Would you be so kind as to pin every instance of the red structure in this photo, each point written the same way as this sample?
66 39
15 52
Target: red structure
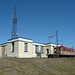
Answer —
64 51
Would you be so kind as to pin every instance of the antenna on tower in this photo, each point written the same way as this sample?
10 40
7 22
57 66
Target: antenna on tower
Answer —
14 26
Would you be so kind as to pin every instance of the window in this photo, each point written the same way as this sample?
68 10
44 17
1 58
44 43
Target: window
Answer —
26 47
47 51
36 48
42 50
72 50
12 46
64 49
69 50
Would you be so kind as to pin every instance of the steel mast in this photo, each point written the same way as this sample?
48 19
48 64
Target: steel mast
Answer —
14 26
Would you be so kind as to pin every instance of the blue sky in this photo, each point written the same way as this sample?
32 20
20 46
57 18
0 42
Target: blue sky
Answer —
38 19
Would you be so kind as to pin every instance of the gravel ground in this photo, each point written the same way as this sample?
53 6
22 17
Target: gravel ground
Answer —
35 66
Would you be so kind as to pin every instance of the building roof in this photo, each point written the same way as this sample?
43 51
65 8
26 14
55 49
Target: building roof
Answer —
19 37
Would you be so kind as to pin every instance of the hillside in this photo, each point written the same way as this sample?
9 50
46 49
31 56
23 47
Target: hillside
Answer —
51 66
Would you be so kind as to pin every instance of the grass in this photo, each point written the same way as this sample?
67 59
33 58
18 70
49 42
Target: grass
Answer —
51 66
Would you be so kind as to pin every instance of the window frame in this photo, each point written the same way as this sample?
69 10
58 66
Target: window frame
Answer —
42 49
25 47
36 48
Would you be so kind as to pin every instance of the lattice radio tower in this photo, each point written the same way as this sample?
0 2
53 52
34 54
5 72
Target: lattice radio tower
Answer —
14 26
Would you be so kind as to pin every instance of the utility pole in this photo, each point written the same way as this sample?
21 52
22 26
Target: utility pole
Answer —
57 43
50 44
